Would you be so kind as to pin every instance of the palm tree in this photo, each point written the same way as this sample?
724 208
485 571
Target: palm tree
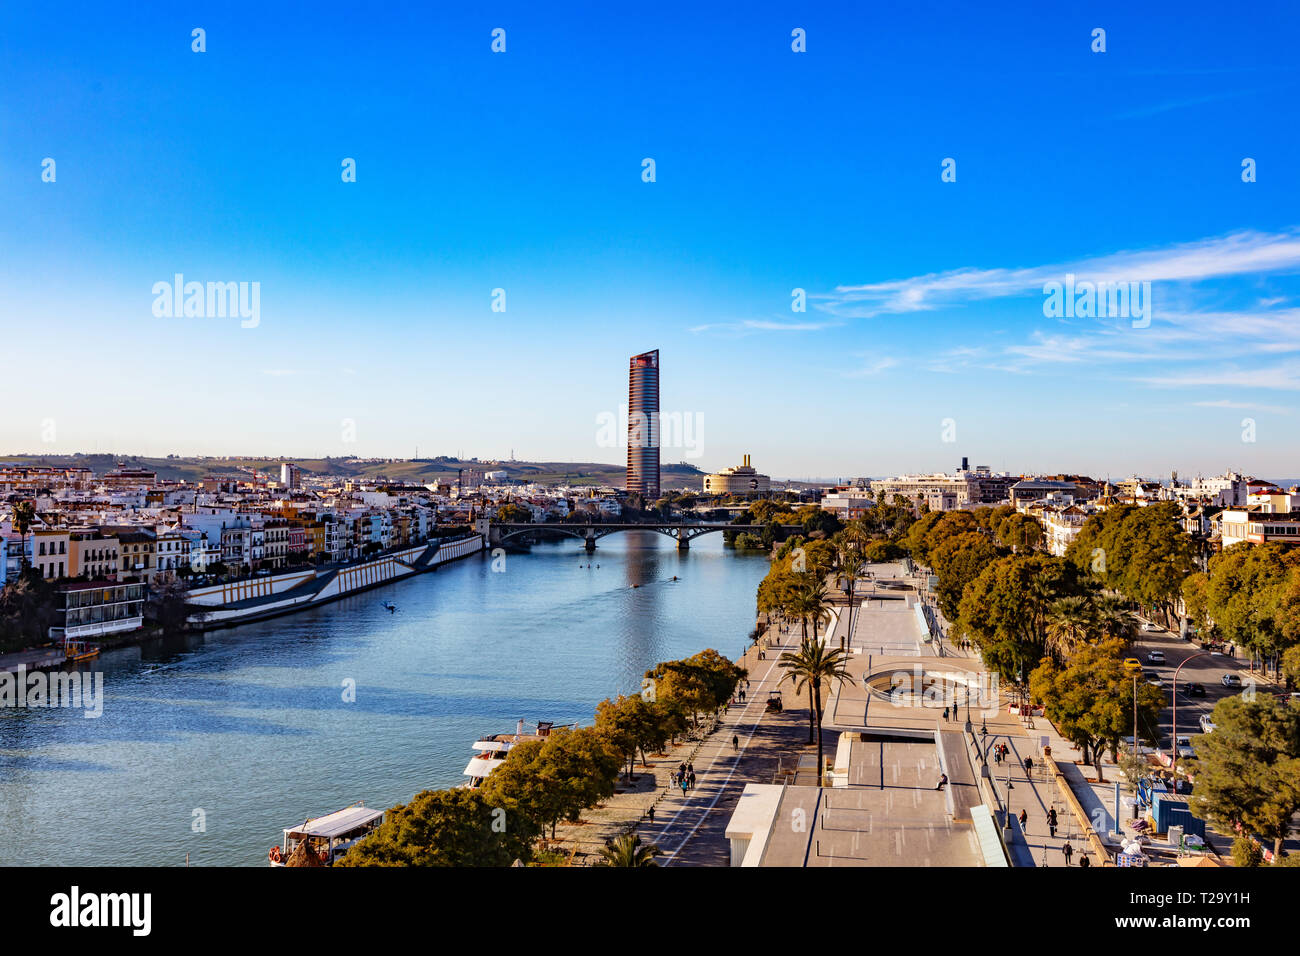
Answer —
810 667
24 515
814 601
1069 621
1115 619
851 563
628 850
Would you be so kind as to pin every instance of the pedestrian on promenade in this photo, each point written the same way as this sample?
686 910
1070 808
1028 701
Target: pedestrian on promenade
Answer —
690 768
1029 765
681 768
651 815
1067 851
672 778
735 742
1051 822
1024 819
683 786
943 780
1084 862
945 713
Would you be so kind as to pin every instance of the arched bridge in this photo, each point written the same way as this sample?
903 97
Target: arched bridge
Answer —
500 532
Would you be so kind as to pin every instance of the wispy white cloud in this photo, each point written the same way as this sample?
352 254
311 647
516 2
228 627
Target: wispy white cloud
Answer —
1249 406
1284 377
765 325
1241 253
872 365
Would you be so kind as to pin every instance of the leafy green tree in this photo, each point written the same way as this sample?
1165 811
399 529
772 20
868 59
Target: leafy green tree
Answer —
951 524
1005 610
628 850
1141 552
958 561
557 778
168 606
1249 768
1291 665
28 610
632 724
458 827
1090 699
883 552
1020 532
916 542
1246 852
810 668
699 684
1195 592
1247 593
814 519
510 512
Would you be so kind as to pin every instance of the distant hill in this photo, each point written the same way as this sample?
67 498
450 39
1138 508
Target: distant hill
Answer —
418 470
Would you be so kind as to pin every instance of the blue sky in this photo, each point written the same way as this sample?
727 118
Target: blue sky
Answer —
775 170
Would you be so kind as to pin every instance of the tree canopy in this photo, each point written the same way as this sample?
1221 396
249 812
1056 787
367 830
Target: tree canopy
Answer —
458 827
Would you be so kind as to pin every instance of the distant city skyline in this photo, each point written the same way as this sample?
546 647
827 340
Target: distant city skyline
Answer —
481 283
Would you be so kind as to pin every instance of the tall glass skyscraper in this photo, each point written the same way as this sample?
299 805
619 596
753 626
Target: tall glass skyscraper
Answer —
643 425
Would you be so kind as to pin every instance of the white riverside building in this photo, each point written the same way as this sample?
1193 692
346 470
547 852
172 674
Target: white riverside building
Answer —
740 479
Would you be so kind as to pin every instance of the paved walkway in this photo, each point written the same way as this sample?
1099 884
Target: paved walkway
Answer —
690 828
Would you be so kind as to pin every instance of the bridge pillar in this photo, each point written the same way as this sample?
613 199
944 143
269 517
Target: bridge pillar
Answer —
590 541
683 543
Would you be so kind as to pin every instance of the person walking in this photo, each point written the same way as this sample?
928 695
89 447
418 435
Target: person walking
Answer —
682 784
1067 851
672 778
735 742
1024 819
1051 822
1084 862
1029 765
692 779
650 814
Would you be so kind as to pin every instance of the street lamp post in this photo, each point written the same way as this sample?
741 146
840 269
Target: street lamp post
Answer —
1174 728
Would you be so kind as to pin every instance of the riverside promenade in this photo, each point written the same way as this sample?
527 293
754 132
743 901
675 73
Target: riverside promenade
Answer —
690 828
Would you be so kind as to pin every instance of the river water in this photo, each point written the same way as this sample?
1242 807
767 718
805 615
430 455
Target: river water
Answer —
209 745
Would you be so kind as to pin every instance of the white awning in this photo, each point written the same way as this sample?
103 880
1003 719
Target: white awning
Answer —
337 823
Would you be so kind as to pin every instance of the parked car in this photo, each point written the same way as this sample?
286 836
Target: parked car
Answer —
1194 690
1132 663
1231 680
1156 657
1185 748
1148 626
1152 678
1207 725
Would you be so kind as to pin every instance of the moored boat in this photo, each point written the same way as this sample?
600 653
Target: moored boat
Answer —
320 841
491 750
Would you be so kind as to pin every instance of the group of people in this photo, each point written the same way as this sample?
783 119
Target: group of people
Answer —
684 777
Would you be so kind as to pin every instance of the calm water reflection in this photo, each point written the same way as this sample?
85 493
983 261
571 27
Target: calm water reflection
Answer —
249 725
